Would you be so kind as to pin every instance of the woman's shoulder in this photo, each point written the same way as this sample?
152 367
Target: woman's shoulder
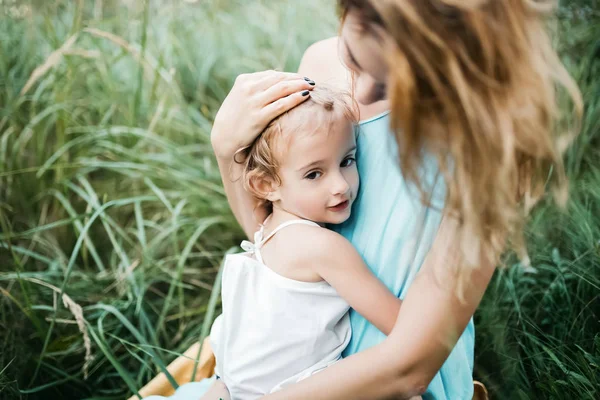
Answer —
321 63
322 47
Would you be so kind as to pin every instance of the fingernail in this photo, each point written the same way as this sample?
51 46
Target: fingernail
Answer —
310 81
305 93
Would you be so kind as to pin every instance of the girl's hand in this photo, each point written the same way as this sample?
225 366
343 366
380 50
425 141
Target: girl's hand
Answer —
254 101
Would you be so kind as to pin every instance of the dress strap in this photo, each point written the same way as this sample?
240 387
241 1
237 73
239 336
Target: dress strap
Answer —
259 240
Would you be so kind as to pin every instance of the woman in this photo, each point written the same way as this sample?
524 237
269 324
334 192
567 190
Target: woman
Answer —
470 88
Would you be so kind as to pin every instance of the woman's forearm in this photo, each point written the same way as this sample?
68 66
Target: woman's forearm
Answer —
369 374
430 322
241 202
393 369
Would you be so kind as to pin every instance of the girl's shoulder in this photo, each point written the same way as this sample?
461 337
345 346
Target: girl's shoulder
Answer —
296 251
306 245
304 237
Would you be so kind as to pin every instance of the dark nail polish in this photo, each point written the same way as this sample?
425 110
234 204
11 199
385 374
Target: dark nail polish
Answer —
307 79
310 81
305 93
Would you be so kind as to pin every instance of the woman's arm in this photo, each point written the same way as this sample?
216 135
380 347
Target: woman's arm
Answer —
345 270
254 101
430 322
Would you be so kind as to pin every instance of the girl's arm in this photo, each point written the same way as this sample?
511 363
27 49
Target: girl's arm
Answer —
252 103
345 270
430 322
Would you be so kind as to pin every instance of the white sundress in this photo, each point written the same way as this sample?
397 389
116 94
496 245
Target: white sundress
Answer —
274 331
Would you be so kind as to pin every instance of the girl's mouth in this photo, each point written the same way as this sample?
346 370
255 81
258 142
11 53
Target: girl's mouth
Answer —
340 207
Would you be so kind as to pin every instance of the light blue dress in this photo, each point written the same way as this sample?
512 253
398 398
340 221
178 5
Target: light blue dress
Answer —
393 232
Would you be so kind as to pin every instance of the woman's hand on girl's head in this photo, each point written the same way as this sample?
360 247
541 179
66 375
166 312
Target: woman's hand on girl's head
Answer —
254 101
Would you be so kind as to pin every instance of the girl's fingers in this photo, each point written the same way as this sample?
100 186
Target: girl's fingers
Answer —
283 89
278 107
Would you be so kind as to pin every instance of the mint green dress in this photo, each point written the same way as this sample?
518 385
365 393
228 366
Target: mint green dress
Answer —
393 232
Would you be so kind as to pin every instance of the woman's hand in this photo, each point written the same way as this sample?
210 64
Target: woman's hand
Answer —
254 101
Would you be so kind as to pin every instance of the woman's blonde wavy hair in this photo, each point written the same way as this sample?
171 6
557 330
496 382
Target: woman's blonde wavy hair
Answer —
262 159
474 83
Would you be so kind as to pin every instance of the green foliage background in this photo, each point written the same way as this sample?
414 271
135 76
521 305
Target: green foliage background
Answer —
113 220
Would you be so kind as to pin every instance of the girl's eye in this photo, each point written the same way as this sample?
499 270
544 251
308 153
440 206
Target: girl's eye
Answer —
348 162
313 175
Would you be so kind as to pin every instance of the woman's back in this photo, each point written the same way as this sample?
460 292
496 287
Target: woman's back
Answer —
393 232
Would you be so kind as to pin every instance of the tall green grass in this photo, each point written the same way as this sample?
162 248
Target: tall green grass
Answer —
110 198
113 221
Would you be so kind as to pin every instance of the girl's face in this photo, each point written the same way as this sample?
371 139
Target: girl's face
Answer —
319 179
362 53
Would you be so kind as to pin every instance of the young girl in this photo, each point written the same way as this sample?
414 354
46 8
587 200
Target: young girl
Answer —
286 299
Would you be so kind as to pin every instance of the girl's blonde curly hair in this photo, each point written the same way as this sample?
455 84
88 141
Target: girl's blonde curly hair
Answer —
474 83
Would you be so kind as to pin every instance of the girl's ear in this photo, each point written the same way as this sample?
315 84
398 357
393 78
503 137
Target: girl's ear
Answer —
264 187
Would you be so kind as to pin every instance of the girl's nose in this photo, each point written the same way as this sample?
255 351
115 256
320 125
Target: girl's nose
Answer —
340 185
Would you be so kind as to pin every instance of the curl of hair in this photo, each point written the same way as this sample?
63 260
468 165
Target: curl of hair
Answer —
259 164
474 83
